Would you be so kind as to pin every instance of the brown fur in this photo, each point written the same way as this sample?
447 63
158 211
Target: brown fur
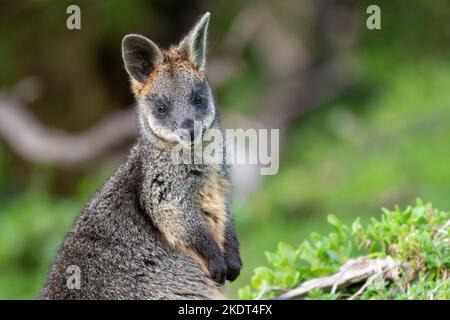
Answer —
174 60
212 199
170 231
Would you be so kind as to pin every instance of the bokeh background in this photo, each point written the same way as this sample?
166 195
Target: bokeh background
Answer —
364 114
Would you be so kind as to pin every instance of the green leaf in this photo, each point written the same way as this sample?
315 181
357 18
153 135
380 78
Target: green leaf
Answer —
334 221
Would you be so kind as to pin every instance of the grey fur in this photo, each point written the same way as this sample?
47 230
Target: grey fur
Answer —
145 234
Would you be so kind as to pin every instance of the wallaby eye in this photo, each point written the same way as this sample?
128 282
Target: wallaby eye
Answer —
199 100
161 108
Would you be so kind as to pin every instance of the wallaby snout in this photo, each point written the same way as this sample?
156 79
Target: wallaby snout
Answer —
189 125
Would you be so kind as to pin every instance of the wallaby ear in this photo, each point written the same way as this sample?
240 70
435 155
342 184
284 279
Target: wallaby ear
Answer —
140 55
195 42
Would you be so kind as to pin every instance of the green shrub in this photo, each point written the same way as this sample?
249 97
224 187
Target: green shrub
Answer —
418 236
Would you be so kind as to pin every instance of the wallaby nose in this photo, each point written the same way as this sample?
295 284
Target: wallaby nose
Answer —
188 125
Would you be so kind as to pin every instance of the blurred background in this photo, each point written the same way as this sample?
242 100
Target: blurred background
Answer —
364 114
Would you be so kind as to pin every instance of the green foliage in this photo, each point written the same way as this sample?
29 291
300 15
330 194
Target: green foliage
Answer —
30 232
32 227
419 236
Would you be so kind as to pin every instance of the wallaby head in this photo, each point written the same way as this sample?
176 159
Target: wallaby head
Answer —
175 103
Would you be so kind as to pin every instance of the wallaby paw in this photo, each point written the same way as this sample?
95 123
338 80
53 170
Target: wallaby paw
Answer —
217 269
234 265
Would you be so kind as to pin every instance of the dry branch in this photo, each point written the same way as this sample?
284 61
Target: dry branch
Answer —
33 141
352 272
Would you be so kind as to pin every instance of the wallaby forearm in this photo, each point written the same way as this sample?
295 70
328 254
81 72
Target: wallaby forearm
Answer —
188 231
